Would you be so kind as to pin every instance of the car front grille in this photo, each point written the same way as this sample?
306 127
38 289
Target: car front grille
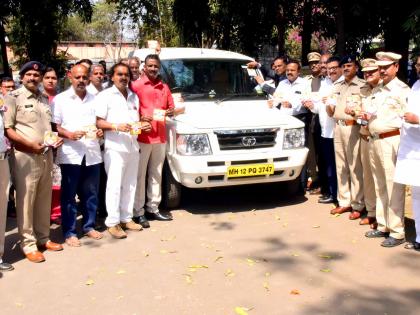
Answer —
246 139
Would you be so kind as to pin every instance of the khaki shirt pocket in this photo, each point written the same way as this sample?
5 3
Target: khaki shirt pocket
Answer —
28 114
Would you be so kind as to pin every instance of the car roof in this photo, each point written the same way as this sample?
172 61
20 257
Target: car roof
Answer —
190 53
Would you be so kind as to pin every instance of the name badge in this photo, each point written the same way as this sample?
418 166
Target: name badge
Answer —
298 92
29 106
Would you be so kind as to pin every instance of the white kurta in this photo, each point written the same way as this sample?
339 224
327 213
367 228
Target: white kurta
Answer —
408 162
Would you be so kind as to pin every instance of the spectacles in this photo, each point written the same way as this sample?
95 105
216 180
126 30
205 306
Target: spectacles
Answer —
333 68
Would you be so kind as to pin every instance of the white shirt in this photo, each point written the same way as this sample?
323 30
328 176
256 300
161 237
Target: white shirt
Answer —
408 161
327 123
293 92
112 106
3 143
92 89
75 114
416 87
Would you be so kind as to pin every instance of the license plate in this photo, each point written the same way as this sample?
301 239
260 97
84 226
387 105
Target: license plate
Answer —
250 170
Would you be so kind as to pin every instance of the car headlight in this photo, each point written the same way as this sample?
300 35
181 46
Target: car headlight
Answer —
294 138
193 144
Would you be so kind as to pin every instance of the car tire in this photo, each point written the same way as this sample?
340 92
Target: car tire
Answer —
293 187
171 189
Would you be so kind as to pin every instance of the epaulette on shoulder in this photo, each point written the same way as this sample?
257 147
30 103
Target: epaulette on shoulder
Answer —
16 92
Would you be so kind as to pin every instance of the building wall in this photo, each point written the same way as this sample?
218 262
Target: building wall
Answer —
96 50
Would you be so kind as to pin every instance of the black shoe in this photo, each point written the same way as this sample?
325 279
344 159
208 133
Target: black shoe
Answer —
324 196
376 233
158 216
142 221
6 267
330 199
392 242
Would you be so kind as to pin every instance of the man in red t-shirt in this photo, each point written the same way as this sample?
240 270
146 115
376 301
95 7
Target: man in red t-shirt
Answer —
155 104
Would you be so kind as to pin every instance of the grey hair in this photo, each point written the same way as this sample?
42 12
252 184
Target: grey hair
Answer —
92 68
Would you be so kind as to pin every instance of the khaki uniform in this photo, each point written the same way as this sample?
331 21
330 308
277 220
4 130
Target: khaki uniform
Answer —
347 147
30 116
388 104
366 155
4 183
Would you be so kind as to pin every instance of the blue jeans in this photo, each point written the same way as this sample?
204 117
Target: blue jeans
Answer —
328 157
84 180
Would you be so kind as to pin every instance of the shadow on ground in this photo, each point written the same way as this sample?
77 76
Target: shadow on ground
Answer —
368 300
239 198
13 253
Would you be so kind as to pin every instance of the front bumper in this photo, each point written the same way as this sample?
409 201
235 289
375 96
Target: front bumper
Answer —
213 169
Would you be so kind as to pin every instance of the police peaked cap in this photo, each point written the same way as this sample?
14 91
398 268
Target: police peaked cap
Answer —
348 59
31 65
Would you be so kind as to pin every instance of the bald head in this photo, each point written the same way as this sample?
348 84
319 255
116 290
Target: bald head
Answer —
79 77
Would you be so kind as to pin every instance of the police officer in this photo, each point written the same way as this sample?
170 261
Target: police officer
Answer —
27 120
347 141
4 186
371 74
388 107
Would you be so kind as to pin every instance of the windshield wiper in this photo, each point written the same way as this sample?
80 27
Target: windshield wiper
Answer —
227 98
194 96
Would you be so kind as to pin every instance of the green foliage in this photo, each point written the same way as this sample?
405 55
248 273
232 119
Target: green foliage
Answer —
35 27
152 17
412 25
104 26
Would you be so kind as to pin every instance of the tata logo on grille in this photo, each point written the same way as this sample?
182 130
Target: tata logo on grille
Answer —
249 141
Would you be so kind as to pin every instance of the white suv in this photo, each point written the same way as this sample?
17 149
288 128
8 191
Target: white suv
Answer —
228 135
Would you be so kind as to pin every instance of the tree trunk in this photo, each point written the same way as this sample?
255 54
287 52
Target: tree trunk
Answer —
307 30
341 36
396 39
6 68
281 31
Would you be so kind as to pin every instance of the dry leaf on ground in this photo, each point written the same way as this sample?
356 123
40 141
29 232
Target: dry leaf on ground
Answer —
188 278
242 310
89 282
193 268
295 292
325 256
265 285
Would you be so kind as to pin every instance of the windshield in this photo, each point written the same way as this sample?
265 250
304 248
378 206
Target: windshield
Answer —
204 78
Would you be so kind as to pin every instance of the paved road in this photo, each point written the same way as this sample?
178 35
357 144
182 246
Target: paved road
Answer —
251 247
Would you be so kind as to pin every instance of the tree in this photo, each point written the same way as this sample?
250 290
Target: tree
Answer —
153 18
36 26
104 26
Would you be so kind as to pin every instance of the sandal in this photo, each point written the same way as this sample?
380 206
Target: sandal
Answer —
73 241
414 245
94 234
